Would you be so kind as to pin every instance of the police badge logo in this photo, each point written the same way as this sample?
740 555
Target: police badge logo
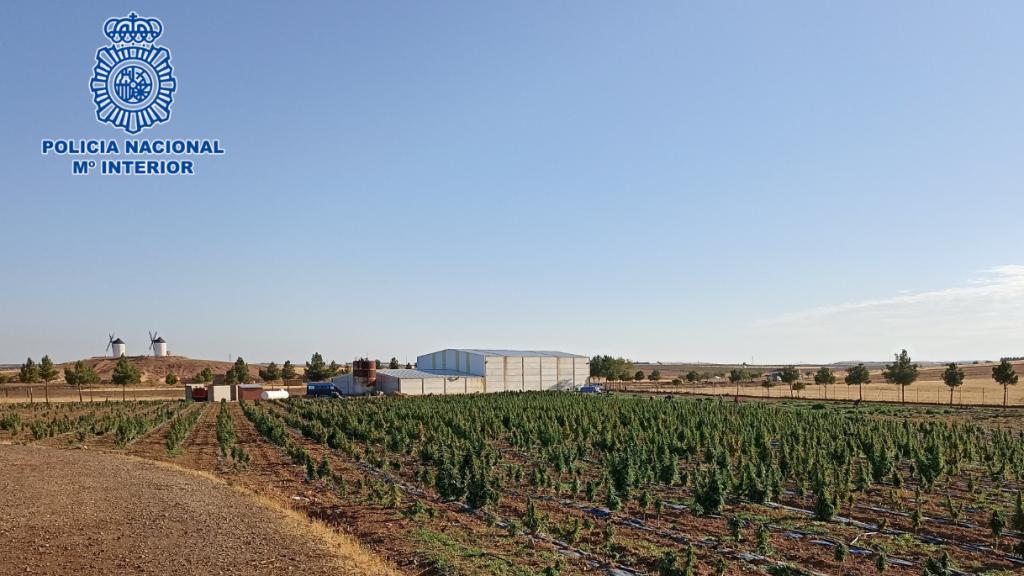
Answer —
132 82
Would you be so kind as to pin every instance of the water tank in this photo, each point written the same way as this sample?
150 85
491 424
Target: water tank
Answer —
364 372
274 395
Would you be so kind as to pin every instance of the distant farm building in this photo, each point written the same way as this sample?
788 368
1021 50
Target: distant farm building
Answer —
468 371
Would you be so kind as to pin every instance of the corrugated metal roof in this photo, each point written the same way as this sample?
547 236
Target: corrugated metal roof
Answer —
491 352
414 373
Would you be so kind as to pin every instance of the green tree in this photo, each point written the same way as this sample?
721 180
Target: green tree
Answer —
940 566
317 370
915 520
81 375
953 377
858 376
789 376
902 372
690 565
668 564
692 376
29 372
638 376
393 364
288 371
824 377
655 375
840 552
171 379
1017 520
533 522
241 370
125 373
709 493
644 502
1003 373
479 489
270 374
824 505
612 500
763 546
610 368
996 524
737 375
735 528
47 373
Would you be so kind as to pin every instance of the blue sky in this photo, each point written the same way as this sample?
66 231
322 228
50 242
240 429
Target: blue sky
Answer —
717 181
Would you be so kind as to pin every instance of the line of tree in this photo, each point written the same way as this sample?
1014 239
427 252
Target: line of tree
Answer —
81 375
1006 376
858 376
612 368
824 377
44 371
125 373
205 376
737 375
953 377
317 369
902 372
238 373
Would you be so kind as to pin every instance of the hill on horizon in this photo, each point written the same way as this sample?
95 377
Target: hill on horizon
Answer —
152 369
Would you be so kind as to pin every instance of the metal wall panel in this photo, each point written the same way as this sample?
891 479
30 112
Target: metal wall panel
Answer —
514 373
430 361
411 386
474 385
531 372
494 372
455 385
433 385
548 373
565 373
581 368
476 364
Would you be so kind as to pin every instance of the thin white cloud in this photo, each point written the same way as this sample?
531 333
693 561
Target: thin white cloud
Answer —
982 317
1001 287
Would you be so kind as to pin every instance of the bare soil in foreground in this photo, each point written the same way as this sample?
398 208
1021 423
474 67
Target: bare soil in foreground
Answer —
86 512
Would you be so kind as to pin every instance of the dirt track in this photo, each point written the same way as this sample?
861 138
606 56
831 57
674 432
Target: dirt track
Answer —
83 512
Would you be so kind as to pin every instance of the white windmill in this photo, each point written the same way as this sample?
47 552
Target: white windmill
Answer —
116 346
158 345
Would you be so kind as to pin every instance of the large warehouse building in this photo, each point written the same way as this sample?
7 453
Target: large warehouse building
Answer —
467 371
